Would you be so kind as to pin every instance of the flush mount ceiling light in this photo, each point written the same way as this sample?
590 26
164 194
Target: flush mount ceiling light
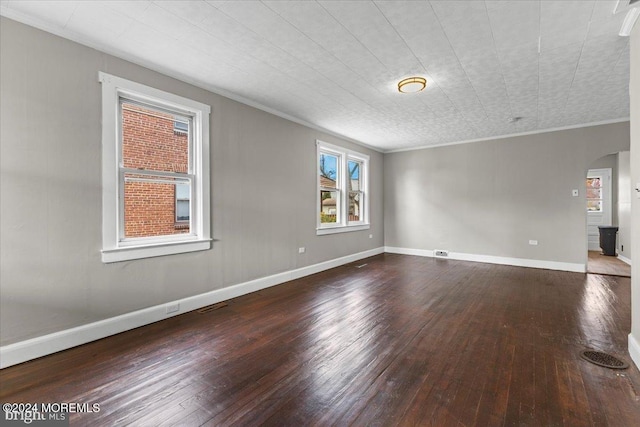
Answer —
412 84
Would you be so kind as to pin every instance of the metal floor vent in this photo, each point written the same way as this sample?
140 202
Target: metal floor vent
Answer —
213 307
603 359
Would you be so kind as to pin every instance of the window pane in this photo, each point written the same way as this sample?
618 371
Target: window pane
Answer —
594 193
181 127
329 209
183 191
150 142
594 182
183 196
182 210
150 206
354 175
328 169
355 203
594 205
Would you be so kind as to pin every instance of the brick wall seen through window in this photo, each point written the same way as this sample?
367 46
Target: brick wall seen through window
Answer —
152 141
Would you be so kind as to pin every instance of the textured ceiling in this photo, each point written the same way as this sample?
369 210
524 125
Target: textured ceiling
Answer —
335 64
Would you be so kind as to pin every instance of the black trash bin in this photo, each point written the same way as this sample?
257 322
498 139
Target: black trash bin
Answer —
608 239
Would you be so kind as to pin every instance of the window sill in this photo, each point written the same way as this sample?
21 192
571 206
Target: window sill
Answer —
149 251
341 229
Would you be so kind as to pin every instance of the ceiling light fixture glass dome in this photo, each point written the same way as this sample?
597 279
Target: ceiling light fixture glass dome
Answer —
412 84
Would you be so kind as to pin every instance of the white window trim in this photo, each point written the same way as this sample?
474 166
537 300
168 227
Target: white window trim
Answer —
114 249
344 155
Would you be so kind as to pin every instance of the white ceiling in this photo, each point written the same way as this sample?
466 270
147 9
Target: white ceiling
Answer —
335 64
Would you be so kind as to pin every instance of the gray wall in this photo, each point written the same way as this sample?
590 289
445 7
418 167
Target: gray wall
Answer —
263 194
624 204
492 197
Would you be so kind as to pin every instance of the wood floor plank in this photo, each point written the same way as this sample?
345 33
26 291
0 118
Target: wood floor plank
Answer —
610 265
401 341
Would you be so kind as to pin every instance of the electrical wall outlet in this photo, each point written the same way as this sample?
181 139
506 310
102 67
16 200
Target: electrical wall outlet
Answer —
575 193
172 308
371 236
301 250
441 252
533 242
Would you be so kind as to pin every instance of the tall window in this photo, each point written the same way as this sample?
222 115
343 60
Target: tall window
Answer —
342 189
155 172
594 194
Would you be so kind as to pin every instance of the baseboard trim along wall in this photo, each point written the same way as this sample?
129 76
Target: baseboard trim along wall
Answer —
624 259
23 351
634 350
489 259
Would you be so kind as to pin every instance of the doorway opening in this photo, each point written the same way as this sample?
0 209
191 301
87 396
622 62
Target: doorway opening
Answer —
608 204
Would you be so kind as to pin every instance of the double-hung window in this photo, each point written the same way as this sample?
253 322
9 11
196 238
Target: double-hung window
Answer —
155 172
342 196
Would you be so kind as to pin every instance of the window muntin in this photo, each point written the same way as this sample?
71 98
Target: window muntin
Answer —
155 172
342 188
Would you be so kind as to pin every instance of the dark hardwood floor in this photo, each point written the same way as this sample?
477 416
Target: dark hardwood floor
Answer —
402 340
603 264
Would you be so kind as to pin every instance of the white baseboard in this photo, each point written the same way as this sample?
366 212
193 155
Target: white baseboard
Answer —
634 350
490 259
624 259
23 351
408 251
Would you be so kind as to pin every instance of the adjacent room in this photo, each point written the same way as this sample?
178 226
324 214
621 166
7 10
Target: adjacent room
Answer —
320 212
